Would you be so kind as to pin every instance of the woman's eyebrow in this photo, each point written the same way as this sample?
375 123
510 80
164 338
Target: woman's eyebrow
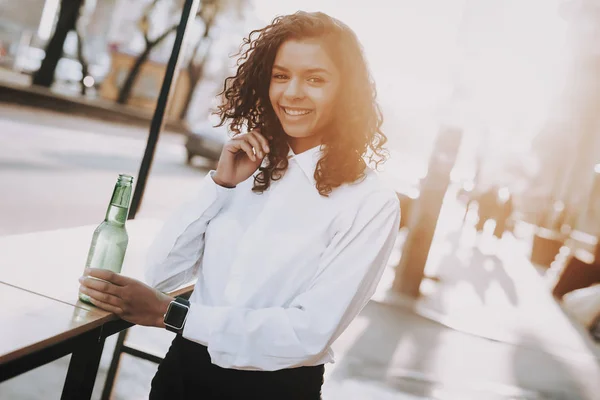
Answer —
308 71
317 70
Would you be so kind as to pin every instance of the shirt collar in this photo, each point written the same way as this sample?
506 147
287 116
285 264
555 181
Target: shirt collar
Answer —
307 161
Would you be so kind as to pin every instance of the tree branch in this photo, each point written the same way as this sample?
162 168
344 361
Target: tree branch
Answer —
164 35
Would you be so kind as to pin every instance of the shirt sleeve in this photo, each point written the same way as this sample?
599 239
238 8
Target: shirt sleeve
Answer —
284 337
175 256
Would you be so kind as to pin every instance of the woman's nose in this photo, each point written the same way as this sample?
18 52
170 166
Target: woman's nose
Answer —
294 89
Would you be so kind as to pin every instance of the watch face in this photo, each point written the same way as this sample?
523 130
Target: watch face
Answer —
176 315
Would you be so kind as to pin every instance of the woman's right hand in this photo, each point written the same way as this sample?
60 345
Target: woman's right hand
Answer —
240 158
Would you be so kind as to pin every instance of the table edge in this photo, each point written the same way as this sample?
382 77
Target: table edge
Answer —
77 331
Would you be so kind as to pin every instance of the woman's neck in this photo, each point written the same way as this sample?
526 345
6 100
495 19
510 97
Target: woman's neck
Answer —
300 145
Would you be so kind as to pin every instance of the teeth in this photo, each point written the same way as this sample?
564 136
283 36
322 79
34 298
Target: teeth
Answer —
295 112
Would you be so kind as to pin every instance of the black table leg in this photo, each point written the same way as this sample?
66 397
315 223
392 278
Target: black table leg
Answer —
114 366
83 368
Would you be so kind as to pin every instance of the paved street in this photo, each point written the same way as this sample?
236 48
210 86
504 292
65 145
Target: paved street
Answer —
58 171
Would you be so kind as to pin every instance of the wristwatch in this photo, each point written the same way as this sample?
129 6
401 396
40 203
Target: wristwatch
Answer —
176 314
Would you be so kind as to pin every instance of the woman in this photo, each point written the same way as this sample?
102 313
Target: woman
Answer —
288 238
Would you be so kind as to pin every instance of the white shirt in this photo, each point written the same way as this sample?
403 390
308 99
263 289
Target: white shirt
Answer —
282 273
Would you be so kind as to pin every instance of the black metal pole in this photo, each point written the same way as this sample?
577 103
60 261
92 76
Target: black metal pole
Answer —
189 11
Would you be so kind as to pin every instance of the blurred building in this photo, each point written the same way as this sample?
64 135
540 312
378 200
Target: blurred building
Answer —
112 40
19 23
25 13
569 144
26 27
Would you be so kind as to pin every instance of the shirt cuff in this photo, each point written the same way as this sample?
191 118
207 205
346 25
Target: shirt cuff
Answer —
219 194
200 323
212 174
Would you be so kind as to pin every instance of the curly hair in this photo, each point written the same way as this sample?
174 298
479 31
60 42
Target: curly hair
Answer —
356 130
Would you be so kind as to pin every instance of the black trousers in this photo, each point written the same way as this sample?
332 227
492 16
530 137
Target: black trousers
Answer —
187 373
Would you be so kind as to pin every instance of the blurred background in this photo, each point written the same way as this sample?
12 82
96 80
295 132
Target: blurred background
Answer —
492 113
518 77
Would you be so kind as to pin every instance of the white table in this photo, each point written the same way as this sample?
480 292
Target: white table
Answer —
42 317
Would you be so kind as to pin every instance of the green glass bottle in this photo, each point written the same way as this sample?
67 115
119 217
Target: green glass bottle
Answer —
110 239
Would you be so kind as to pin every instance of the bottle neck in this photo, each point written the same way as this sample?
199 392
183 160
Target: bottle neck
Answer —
116 215
119 204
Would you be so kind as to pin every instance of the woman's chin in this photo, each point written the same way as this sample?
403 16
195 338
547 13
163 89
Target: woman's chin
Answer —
298 132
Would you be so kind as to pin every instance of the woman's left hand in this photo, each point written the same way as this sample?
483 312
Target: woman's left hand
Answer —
128 298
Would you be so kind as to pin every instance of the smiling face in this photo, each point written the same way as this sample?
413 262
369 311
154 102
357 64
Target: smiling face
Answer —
303 91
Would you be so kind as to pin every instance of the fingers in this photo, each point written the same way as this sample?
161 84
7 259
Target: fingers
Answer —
106 275
244 145
109 302
263 141
253 144
100 285
256 145
106 306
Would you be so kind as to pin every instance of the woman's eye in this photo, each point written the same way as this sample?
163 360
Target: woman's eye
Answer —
316 79
279 76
